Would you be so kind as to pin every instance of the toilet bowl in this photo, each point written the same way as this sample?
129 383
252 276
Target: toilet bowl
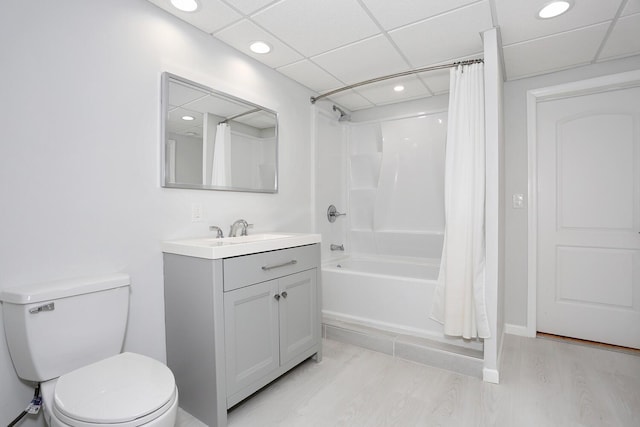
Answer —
121 391
67 335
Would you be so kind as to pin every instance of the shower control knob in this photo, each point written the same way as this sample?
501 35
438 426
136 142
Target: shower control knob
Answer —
277 296
284 294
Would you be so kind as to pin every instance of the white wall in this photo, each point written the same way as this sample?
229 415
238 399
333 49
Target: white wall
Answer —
516 162
79 170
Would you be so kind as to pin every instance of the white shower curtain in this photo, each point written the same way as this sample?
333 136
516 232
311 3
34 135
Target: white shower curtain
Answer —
459 302
221 165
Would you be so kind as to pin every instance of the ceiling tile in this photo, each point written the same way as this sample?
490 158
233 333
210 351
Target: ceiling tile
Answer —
363 60
311 76
313 27
633 6
350 100
248 6
447 36
383 93
393 14
437 81
573 48
624 39
210 17
519 18
241 34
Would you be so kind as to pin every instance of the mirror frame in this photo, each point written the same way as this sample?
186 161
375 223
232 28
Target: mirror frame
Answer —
164 102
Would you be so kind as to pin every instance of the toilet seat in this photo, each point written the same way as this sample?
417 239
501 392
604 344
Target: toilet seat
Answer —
124 390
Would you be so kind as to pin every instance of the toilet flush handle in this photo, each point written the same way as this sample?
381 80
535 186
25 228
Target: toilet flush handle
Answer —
46 307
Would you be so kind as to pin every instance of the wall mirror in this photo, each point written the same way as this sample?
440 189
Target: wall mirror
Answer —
215 141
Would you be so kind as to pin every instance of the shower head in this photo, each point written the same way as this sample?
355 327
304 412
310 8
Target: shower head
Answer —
343 116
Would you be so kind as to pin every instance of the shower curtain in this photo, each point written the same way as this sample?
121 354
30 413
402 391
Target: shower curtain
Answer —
459 302
221 165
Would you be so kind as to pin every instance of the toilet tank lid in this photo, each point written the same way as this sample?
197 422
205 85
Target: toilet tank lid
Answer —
47 291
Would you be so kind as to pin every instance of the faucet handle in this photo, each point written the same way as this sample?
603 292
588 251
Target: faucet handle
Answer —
218 231
245 228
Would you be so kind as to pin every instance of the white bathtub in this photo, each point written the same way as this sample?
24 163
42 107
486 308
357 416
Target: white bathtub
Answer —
391 294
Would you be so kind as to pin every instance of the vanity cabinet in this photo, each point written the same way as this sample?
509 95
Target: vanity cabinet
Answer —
235 324
267 325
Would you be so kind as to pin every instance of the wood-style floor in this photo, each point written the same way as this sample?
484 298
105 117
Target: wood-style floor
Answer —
543 383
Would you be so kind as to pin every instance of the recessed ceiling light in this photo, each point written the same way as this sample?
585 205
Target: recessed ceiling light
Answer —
398 88
553 9
185 5
260 47
188 118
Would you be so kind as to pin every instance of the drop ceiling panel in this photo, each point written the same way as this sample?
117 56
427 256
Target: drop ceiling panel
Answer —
243 33
624 40
437 81
382 92
310 75
452 35
350 100
248 6
633 6
393 14
519 18
565 50
313 27
363 60
211 16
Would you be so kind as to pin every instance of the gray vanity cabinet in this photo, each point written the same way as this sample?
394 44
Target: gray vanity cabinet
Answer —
268 325
235 324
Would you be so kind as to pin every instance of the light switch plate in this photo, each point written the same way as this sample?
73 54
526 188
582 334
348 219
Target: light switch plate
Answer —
196 212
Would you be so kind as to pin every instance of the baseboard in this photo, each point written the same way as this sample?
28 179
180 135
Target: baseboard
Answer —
519 330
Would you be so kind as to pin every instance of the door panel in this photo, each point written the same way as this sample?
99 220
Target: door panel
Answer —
588 217
251 334
299 327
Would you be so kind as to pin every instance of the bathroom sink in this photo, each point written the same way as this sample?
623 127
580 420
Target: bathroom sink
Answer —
212 248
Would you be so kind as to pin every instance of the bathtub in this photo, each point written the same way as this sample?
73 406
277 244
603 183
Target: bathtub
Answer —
385 293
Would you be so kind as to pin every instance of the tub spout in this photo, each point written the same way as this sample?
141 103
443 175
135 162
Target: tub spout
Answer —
336 247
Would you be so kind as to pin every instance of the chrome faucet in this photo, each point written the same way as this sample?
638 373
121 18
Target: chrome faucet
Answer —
218 231
234 228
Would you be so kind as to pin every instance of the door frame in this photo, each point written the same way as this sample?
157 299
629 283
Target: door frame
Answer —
534 96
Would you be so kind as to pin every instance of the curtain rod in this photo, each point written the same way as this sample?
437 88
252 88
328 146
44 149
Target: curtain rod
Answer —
246 113
393 76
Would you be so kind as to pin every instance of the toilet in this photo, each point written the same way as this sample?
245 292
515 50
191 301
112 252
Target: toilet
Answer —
67 335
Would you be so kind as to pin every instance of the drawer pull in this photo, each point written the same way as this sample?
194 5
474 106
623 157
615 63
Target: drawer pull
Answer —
284 264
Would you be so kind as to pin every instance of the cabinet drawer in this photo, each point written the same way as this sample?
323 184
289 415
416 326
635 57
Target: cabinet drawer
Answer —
248 269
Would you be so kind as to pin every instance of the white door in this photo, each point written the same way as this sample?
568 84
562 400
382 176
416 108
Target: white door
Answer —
588 174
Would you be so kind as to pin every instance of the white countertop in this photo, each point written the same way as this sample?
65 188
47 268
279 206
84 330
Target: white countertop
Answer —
212 248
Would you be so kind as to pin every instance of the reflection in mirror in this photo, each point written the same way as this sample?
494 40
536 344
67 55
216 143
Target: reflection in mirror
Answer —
215 141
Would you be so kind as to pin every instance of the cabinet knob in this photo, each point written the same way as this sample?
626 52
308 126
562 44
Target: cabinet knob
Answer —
277 296
284 294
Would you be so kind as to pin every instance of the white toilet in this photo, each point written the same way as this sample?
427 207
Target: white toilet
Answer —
67 335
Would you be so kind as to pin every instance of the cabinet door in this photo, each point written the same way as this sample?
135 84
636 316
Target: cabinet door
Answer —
299 328
251 334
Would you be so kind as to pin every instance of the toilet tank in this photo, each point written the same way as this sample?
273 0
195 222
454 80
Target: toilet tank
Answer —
55 327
